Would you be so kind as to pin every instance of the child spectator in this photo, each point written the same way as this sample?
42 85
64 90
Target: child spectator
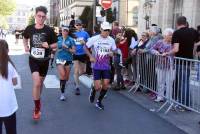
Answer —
8 101
118 65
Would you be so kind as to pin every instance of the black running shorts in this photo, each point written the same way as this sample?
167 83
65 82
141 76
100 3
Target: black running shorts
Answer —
40 66
81 58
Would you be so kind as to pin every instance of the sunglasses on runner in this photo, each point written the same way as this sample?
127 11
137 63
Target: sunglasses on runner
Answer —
78 24
106 30
65 30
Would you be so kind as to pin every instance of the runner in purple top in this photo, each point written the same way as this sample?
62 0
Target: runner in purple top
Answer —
102 47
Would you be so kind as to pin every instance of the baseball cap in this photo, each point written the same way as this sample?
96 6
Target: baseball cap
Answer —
65 28
105 25
78 21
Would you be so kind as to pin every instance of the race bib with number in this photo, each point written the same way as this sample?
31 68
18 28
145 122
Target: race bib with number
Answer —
60 61
79 40
38 52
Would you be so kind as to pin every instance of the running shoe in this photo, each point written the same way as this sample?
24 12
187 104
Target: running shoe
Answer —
116 88
159 99
123 87
99 105
62 97
77 92
36 115
92 95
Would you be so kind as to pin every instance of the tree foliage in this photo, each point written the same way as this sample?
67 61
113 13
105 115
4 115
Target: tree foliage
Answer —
85 14
31 20
87 18
3 22
109 15
7 7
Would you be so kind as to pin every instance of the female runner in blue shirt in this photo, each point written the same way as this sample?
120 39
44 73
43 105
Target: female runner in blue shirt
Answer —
66 47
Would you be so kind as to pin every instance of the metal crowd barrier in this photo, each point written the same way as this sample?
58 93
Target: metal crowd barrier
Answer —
175 79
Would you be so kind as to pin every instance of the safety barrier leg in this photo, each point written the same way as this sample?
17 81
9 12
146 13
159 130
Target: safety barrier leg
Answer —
162 106
135 86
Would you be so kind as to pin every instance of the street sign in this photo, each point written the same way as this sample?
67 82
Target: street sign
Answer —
106 4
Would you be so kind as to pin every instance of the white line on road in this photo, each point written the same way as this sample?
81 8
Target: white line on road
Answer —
86 81
51 81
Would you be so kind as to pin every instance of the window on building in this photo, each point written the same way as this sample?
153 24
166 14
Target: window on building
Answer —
115 13
178 10
135 15
60 4
63 4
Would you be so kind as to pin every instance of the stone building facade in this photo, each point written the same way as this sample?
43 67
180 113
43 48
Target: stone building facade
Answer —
126 12
53 13
19 19
165 12
72 7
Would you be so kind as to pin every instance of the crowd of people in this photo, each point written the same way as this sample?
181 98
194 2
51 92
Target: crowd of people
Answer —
159 70
3 33
110 52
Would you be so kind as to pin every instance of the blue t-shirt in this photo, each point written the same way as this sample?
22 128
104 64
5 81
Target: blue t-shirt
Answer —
81 35
63 53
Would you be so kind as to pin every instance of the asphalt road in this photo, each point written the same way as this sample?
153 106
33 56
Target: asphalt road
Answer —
77 116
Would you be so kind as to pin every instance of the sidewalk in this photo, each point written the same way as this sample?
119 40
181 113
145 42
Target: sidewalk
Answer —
15 49
186 121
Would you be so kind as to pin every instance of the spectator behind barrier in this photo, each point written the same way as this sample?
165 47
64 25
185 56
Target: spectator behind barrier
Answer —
115 29
183 41
164 66
155 35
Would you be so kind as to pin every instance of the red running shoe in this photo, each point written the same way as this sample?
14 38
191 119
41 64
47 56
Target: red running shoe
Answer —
36 114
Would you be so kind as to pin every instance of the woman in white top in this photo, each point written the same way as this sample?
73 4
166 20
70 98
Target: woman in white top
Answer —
8 102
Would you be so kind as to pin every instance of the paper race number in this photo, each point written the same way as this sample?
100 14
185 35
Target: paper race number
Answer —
37 52
59 61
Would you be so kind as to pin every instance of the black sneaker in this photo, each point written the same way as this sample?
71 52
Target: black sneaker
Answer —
92 95
123 87
116 88
99 105
77 92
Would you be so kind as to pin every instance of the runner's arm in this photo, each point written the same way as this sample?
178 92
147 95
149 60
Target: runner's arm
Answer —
87 51
25 42
72 50
53 46
92 59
